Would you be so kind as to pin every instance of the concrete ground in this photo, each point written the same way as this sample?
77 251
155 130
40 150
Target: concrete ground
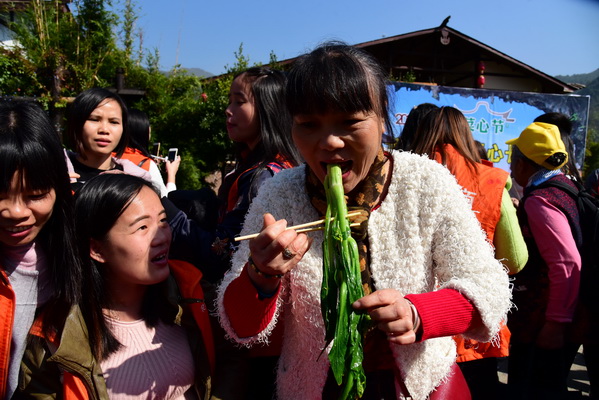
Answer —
578 381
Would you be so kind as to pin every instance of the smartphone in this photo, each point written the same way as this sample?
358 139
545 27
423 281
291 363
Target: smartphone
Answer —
156 149
172 154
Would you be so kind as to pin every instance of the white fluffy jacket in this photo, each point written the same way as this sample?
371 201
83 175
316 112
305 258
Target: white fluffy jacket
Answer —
423 236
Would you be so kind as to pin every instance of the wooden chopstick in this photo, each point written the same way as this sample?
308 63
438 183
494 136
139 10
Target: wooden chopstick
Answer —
301 227
320 228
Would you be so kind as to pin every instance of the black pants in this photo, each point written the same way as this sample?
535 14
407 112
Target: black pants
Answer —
380 385
536 373
482 379
591 359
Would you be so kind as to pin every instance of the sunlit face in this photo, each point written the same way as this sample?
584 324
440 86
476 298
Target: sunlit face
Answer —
23 213
136 248
102 130
242 119
350 139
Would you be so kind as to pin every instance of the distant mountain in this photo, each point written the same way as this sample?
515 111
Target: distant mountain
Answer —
198 72
193 71
592 89
584 79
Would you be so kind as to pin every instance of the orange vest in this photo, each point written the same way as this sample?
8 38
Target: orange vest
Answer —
188 279
136 157
485 190
7 315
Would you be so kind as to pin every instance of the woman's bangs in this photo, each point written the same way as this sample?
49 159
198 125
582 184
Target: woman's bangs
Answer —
32 163
9 164
334 84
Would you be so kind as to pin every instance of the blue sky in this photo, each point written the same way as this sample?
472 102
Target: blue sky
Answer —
558 37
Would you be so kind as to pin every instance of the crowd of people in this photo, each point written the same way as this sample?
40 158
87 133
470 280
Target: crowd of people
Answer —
112 287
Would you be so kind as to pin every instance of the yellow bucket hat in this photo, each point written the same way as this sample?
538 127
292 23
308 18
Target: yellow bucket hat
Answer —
542 143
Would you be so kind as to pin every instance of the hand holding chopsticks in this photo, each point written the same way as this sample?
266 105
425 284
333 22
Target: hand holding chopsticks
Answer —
356 216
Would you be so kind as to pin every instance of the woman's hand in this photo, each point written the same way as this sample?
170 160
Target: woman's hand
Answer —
171 169
274 252
392 313
73 176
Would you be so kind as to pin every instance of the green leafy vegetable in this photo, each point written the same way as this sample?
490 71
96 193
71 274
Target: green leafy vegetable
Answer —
341 286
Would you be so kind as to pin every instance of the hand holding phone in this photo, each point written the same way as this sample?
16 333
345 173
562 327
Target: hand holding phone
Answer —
172 154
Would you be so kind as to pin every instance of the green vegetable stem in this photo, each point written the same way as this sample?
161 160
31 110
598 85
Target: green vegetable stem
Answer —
341 286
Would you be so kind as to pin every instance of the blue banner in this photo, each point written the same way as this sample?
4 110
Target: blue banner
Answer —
495 116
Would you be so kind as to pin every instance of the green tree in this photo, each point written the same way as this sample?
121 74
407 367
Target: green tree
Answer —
67 52
128 34
62 54
183 115
189 113
591 161
242 62
17 77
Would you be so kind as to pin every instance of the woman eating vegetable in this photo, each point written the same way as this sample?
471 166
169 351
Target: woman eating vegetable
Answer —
426 271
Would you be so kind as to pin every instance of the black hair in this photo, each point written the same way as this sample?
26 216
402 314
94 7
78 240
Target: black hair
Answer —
199 205
442 126
268 90
482 151
139 131
338 77
98 206
85 103
564 124
414 119
562 121
30 149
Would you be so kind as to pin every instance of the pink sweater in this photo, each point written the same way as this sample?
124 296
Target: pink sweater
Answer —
153 363
553 236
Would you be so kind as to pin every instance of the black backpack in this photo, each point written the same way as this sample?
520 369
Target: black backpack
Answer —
588 208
